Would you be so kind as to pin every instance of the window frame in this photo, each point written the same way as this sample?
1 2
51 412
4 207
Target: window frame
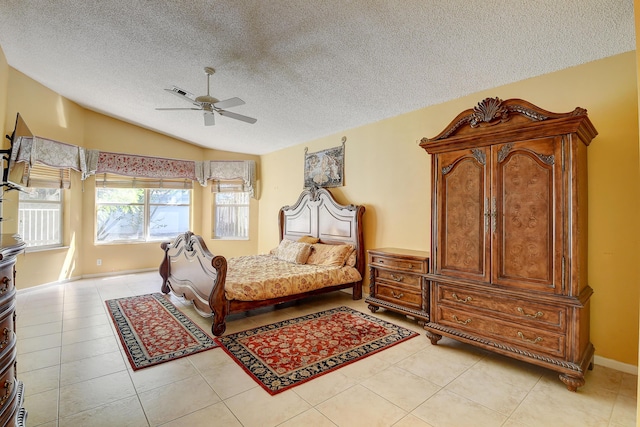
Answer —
146 206
61 212
219 188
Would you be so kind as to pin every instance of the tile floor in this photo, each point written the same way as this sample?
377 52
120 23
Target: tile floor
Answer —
75 374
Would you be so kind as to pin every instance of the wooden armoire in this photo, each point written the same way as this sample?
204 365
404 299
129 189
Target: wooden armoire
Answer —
508 269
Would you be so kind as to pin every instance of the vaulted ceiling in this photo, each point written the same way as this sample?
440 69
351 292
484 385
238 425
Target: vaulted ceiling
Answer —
305 69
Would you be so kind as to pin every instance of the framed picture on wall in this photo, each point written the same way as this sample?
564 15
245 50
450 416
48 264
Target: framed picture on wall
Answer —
324 168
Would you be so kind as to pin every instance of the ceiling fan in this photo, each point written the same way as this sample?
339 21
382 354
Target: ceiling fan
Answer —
209 104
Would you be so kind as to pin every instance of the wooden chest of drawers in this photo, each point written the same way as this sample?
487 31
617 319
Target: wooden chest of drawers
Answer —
397 281
11 390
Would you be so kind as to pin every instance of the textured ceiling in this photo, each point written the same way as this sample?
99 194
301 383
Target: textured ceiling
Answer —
305 69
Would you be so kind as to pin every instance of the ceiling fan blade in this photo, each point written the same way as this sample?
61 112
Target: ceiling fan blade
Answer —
209 119
167 109
237 116
228 103
183 94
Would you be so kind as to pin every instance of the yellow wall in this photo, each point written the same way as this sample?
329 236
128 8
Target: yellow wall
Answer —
49 115
387 172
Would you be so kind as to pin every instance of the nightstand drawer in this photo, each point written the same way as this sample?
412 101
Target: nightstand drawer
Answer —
399 277
399 263
399 295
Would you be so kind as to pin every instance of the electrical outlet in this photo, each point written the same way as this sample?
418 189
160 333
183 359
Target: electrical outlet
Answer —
98 261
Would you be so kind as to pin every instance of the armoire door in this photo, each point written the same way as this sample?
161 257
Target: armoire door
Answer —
462 225
526 215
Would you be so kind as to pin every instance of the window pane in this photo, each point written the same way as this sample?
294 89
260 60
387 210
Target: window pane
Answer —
39 224
119 222
49 194
231 215
170 197
168 221
120 195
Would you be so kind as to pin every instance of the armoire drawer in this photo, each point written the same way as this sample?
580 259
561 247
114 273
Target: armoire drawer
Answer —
501 330
533 313
401 295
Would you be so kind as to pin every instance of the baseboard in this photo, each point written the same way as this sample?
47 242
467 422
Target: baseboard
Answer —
614 364
84 276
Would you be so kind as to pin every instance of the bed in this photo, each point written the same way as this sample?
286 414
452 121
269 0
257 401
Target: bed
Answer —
321 250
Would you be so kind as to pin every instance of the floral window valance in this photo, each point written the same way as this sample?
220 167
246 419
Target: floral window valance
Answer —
59 155
54 154
145 167
232 170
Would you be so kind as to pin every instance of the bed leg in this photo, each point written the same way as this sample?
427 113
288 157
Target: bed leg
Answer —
357 291
218 327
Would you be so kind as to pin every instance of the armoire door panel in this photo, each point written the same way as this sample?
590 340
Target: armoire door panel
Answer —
462 212
527 190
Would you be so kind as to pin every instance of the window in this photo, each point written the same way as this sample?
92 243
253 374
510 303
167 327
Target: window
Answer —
141 214
40 217
230 213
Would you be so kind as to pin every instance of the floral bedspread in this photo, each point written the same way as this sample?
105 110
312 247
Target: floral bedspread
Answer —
259 277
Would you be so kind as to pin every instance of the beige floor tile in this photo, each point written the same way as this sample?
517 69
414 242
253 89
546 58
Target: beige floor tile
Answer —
25 332
402 388
40 380
412 421
439 364
229 379
28 345
85 322
87 334
447 409
165 373
80 397
308 418
91 367
38 360
217 414
357 394
510 382
39 316
122 413
376 411
365 368
266 410
624 411
629 386
81 350
324 387
175 400
550 403
42 408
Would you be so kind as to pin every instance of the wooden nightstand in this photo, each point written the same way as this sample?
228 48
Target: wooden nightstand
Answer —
397 282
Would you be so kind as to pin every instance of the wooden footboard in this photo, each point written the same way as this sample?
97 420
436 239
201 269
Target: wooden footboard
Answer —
190 271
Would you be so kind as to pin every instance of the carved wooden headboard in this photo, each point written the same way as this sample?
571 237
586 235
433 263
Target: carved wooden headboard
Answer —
317 214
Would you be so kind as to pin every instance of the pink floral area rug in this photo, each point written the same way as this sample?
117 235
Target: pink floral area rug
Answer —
288 353
152 330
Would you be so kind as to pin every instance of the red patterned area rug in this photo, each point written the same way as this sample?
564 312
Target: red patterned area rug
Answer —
285 354
153 330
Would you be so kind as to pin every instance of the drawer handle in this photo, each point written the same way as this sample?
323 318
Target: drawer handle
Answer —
534 341
466 300
462 322
534 316
8 385
397 278
7 334
5 283
397 296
